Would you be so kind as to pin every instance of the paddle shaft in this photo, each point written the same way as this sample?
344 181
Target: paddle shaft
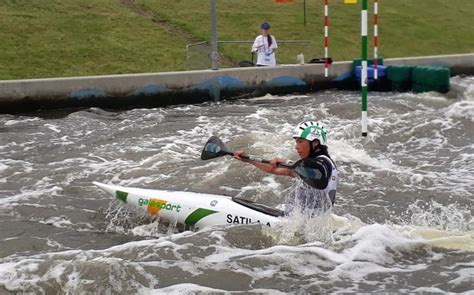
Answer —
306 169
260 160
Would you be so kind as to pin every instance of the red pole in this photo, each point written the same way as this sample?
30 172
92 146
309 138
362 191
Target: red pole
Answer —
376 38
326 38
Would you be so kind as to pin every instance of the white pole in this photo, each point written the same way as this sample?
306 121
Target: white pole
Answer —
326 38
376 38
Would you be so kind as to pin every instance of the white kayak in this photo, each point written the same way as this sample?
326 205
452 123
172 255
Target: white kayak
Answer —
196 210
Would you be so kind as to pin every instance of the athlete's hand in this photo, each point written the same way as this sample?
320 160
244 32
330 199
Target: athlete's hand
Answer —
274 162
238 155
258 48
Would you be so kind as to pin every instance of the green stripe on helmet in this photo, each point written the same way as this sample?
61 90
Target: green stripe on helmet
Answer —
315 131
197 215
306 132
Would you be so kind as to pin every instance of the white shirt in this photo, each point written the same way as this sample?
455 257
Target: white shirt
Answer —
265 53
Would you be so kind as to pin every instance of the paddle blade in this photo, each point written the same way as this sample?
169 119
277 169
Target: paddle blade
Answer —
214 148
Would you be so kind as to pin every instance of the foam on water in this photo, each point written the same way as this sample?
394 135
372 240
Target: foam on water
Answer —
462 109
29 195
372 249
435 215
402 217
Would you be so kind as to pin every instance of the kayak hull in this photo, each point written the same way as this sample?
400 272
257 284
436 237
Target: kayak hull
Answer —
195 210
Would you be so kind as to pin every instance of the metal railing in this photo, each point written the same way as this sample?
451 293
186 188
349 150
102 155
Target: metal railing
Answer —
198 55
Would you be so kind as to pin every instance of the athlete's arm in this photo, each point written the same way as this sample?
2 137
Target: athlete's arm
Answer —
269 168
257 44
274 44
321 179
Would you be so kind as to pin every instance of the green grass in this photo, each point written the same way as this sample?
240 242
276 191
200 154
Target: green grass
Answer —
58 38
81 37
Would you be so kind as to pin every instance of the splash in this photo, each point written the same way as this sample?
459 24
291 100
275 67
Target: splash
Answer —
302 229
461 109
309 215
126 220
432 214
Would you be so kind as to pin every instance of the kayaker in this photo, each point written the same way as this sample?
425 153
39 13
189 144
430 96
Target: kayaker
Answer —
310 142
265 46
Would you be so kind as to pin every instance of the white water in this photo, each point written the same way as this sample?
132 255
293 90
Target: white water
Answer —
403 218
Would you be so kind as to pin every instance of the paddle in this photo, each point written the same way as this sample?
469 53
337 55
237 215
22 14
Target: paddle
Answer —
305 169
320 60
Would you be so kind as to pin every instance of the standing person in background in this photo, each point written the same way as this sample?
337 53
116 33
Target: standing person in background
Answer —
265 46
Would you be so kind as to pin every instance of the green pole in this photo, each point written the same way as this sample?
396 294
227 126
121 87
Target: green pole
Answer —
363 80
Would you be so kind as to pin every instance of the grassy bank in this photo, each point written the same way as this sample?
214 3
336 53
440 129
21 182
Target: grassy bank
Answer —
59 38
81 37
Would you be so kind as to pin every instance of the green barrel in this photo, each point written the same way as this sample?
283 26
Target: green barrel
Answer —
430 78
399 77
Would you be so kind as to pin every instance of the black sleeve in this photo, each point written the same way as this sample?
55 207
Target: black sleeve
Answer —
319 170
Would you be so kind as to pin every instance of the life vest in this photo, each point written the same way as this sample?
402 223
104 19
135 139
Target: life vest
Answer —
332 183
311 200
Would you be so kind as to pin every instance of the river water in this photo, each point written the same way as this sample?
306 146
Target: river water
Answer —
404 202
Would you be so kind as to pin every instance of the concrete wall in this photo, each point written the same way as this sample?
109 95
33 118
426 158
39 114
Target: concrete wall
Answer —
159 89
460 64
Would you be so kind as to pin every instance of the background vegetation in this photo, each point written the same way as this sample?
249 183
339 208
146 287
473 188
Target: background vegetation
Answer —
58 38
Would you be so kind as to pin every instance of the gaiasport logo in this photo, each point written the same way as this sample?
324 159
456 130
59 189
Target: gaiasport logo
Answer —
158 204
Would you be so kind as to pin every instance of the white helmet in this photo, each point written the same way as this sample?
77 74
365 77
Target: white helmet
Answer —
310 130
